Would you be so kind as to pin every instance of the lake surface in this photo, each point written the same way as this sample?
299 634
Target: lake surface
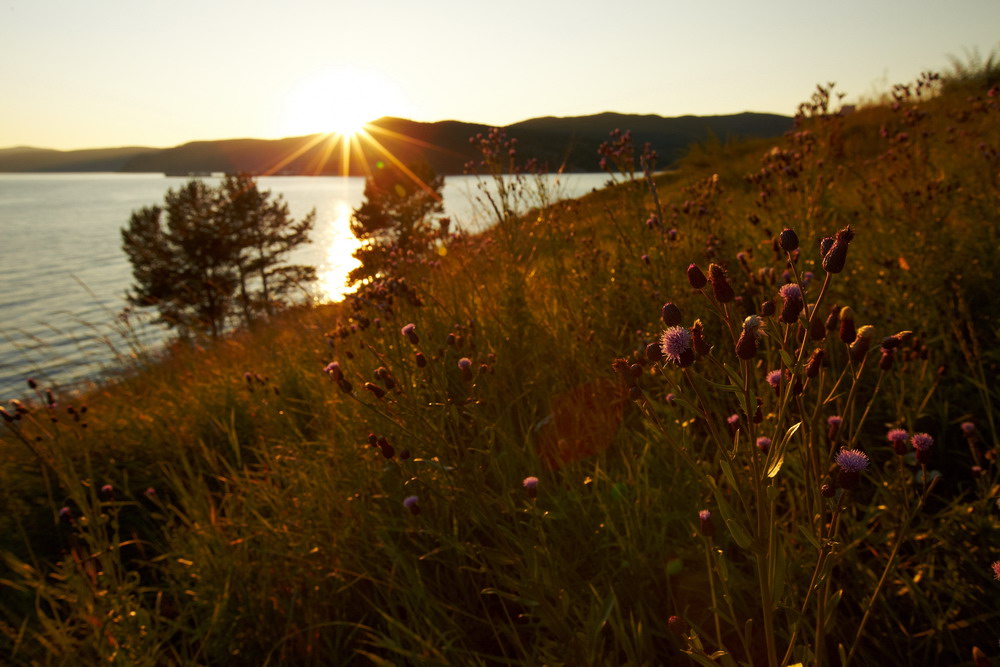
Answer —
63 275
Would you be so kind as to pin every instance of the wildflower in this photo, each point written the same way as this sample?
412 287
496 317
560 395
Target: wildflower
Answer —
410 331
827 491
705 523
465 365
834 423
815 362
862 342
720 284
653 352
885 362
696 277
746 347
671 398
388 451
767 308
833 319
922 443
793 304
851 462
421 359
65 515
825 245
847 331
376 390
835 258
107 493
996 570
698 339
764 444
332 368
531 486
788 240
671 314
733 421
898 438
411 503
677 625
774 379
968 429
676 346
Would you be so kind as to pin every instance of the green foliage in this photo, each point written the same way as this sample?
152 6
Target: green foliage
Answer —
394 221
218 254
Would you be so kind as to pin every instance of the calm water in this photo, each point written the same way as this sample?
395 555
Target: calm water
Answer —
63 274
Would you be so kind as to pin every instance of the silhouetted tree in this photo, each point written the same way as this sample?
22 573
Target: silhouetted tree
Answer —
395 218
210 253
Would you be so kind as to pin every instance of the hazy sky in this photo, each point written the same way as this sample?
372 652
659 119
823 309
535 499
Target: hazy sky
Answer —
95 73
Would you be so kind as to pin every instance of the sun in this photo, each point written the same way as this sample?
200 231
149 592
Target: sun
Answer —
340 101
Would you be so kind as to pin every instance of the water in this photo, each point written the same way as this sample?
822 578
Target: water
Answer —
63 274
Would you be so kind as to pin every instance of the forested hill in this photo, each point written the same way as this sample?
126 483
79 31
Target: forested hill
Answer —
568 142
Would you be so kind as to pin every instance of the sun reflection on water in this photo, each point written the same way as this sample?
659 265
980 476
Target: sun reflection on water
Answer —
338 255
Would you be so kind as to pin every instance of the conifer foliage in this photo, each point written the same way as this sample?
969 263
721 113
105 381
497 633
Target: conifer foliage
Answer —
211 257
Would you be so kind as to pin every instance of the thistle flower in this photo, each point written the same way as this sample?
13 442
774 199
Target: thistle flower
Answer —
696 277
677 625
107 493
833 319
705 523
774 379
411 503
996 570
836 257
833 422
653 352
898 438
733 421
410 331
531 486
675 343
793 303
922 443
885 362
764 444
698 339
720 284
671 314
862 342
968 429
465 365
851 462
332 368
376 390
421 359
767 308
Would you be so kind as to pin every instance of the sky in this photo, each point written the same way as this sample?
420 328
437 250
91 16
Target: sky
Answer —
102 73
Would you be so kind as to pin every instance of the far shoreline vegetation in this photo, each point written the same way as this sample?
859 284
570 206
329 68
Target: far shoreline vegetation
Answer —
741 413
566 144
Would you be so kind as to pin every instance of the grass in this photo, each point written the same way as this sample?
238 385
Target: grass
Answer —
233 504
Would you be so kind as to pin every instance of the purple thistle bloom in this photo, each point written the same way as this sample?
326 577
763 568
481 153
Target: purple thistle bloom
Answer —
676 346
764 444
852 460
898 438
531 486
996 570
968 429
733 419
922 443
410 503
834 423
790 291
410 331
774 379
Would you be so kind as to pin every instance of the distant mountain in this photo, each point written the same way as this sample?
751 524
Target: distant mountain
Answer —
570 143
25 158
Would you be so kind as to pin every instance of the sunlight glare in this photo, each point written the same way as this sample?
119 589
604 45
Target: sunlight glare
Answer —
340 259
340 101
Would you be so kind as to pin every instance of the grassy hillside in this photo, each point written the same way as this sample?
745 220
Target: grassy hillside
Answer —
523 479
27 159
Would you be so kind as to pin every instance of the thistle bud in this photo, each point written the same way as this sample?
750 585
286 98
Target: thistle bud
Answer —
376 390
671 314
746 347
410 331
833 319
885 363
720 284
412 503
531 486
421 359
767 309
815 362
653 352
793 304
705 523
696 277
860 346
825 245
465 365
847 331
701 347
836 257
788 240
